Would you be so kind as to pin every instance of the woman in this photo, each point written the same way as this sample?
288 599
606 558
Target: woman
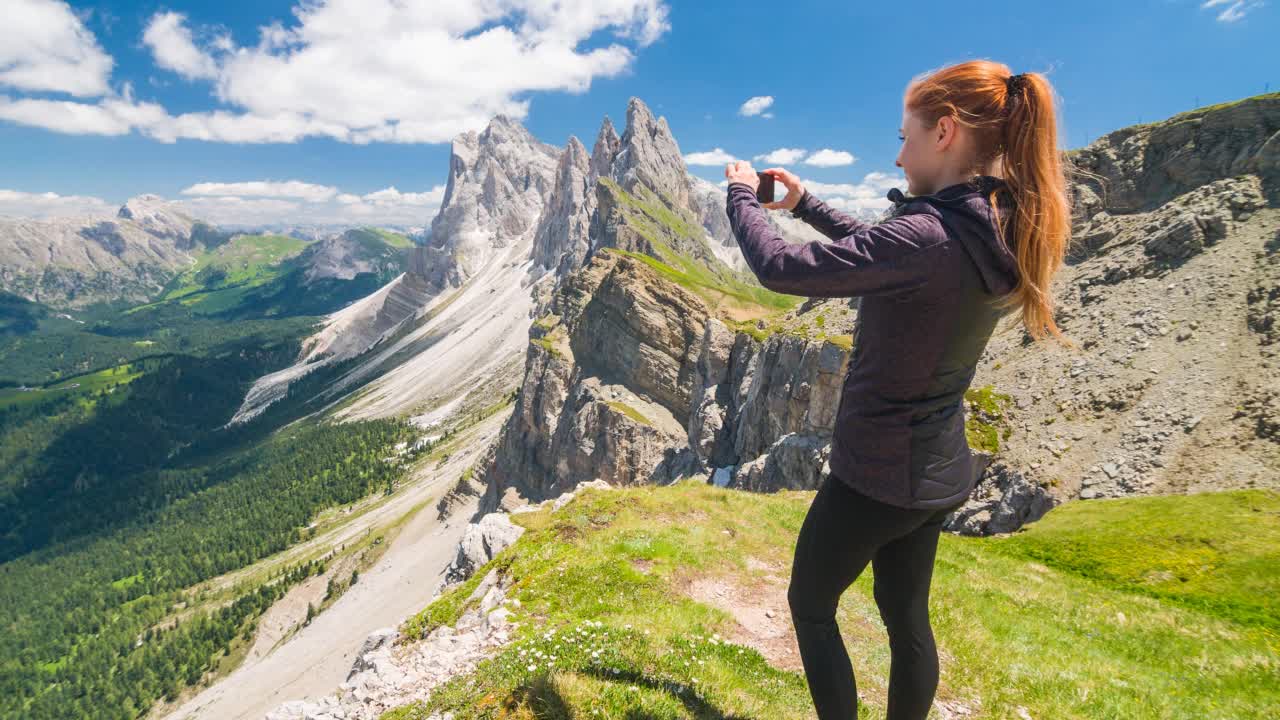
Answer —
982 230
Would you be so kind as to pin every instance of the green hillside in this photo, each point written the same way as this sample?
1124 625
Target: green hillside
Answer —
261 275
253 289
1158 607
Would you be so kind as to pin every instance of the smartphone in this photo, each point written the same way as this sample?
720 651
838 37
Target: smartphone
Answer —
764 192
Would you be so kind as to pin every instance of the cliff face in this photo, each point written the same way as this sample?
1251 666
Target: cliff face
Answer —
499 181
561 241
633 377
1142 167
632 374
471 283
607 381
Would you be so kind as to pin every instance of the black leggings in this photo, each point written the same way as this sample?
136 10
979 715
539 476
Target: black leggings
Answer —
843 531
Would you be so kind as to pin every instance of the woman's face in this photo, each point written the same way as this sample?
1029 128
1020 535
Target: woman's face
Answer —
917 156
923 157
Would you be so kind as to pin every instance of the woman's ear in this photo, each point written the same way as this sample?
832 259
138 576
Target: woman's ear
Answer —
945 132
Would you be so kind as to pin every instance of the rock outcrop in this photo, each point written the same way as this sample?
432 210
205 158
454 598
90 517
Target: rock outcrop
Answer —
389 673
562 239
1141 167
481 541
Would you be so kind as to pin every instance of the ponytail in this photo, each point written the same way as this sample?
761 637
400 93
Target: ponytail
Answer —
1012 117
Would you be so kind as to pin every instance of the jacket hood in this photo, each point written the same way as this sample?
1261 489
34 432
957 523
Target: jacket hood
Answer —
966 214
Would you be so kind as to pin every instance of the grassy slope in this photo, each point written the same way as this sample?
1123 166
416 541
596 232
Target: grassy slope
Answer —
245 262
726 292
392 239
1157 607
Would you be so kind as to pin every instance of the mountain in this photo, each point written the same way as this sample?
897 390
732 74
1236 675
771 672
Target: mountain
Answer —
459 313
71 263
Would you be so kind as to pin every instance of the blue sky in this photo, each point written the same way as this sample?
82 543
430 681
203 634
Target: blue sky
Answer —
354 100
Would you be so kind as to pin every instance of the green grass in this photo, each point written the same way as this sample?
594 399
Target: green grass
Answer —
221 277
986 424
629 411
393 239
83 385
1071 618
1217 553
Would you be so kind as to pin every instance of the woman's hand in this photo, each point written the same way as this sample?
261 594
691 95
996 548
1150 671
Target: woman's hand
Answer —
742 172
795 190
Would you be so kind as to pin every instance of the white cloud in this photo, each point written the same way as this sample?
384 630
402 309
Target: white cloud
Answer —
258 202
392 196
111 116
827 157
866 196
231 210
171 44
781 156
375 70
757 106
870 196
45 47
267 202
710 157
265 188
42 206
1234 10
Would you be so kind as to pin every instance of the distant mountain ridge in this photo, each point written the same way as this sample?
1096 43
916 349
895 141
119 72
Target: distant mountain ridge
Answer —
77 262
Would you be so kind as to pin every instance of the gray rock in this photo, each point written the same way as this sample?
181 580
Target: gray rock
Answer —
1003 501
480 542
1179 240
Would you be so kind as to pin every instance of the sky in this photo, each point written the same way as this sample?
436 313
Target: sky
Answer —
342 111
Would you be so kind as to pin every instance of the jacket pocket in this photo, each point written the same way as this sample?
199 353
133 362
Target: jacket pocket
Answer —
879 452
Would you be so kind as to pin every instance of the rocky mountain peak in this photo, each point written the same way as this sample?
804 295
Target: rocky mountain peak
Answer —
561 241
499 180
649 154
606 149
157 216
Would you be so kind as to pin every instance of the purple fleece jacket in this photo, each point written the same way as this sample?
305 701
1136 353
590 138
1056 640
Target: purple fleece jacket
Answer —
925 277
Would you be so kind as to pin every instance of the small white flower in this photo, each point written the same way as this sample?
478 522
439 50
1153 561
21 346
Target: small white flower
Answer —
532 668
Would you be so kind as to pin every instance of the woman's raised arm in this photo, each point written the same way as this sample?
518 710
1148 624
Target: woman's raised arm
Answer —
825 219
804 206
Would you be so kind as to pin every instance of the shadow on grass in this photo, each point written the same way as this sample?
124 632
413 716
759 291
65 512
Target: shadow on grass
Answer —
546 703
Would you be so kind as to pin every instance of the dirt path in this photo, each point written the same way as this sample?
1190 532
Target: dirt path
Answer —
317 658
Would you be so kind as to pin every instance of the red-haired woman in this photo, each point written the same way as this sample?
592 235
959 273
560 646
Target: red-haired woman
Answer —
982 230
